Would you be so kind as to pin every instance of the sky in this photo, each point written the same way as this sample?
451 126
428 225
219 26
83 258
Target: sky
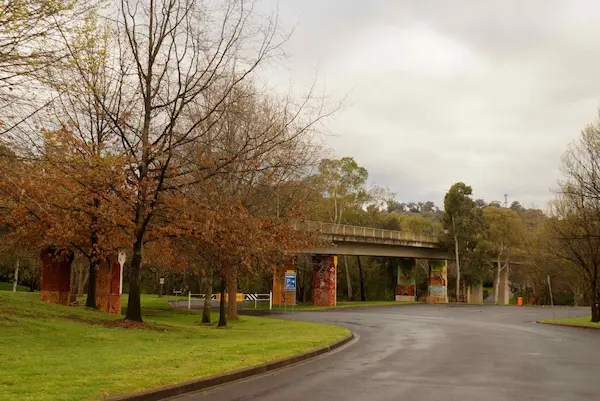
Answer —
486 92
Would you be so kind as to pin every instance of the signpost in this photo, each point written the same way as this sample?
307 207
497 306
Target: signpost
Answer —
290 285
161 282
290 282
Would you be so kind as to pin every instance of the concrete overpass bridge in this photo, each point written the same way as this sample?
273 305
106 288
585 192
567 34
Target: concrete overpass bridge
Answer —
339 240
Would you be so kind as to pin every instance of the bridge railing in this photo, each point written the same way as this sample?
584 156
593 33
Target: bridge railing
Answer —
368 232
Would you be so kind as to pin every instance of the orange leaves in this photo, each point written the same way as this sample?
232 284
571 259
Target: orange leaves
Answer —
71 192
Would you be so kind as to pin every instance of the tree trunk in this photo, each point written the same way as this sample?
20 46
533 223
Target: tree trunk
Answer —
457 260
222 316
90 302
15 283
134 307
362 282
73 281
232 312
207 298
594 297
497 283
348 281
83 277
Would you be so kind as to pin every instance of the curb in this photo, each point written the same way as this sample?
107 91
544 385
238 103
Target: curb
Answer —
193 385
567 325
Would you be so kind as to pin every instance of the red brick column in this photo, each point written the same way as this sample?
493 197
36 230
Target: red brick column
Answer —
324 280
56 275
108 282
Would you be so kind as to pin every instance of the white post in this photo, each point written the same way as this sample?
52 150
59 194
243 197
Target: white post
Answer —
255 300
121 259
189 300
270 300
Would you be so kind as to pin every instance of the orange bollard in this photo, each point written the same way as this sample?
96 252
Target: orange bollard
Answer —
520 301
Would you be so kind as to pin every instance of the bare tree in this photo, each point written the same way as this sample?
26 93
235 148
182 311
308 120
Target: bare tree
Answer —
576 222
29 44
171 54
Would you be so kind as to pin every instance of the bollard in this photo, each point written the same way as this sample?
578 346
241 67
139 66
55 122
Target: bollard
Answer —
189 300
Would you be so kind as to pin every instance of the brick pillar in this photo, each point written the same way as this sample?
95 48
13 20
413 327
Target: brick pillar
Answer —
406 285
280 296
56 275
438 281
324 280
108 285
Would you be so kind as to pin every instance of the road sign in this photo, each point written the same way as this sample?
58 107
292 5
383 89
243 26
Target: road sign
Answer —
162 281
290 282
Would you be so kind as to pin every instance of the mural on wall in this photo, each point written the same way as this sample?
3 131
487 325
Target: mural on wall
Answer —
324 280
56 275
281 297
109 284
406 288
438 281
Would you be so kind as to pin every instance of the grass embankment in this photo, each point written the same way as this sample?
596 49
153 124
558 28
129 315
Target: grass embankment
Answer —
9 287
54 352
583 321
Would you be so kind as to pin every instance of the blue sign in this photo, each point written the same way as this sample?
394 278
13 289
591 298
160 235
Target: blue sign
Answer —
290 282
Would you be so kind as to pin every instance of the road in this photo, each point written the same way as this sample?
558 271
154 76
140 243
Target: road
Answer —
431 352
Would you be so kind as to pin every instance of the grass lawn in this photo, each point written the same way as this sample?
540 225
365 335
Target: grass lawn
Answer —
577 321
52 352
9 286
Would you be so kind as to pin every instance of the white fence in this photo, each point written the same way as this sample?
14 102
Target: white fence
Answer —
256 298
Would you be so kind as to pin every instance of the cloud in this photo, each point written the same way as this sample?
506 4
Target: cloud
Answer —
489 93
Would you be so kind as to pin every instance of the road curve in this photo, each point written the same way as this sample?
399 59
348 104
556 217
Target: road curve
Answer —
431 352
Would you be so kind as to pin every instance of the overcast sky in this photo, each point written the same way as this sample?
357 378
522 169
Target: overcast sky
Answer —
485 92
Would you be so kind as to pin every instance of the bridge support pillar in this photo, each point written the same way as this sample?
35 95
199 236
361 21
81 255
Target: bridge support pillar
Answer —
438 281
503 292
56 275
406 286
108 285
475 294
324 284
280 296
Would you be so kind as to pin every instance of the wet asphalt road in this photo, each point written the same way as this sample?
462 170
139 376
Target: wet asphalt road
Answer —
430 352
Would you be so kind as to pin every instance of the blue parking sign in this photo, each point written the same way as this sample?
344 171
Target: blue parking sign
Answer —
290 282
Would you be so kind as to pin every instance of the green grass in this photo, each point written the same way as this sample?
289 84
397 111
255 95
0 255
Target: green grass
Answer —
49 353
577 321
9 287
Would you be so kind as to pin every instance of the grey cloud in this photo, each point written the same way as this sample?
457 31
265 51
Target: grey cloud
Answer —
481 91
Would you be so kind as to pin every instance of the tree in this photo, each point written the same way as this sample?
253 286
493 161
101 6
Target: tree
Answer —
177 63
343 183
29 45
463 220
576 211
504 233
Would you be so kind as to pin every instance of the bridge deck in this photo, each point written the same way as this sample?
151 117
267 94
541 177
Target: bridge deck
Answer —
366 241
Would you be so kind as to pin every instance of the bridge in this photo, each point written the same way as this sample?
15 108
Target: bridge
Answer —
345 240
339 239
